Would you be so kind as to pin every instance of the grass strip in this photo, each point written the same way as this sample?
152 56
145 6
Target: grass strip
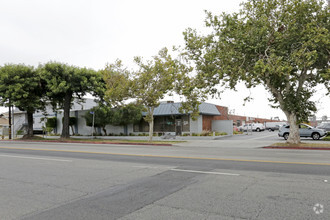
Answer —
301 146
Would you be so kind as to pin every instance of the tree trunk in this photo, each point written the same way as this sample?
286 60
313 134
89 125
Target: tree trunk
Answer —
66 116
294 137
72 129
151 123
104 130
30 124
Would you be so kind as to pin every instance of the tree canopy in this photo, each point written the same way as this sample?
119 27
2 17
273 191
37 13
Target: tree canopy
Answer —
154 79
21 86
281 44
65 83
127 114
117 84
102 117
118 116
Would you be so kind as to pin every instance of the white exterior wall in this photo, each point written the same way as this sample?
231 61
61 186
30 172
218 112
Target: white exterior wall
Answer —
223 126
114 129
196 126
130 129
19 121
83 129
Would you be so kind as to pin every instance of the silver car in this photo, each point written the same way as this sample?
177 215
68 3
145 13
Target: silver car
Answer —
304 131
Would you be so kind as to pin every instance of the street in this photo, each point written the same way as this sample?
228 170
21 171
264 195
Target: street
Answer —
229 178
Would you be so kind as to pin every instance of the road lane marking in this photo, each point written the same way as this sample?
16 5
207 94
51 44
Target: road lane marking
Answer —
205 172
151 167
35 158
164 156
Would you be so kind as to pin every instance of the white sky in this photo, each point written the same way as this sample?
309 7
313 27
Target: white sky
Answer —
93 32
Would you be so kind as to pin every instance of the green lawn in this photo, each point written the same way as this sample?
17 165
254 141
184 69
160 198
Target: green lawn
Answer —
327 138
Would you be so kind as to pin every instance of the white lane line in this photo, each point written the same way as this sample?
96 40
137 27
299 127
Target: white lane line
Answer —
150 167
205 172
35 158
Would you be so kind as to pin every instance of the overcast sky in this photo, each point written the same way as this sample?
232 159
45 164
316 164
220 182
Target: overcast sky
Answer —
92 33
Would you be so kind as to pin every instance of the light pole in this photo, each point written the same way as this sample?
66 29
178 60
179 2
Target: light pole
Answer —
13 123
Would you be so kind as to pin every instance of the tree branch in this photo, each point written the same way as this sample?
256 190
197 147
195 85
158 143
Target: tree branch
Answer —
302 80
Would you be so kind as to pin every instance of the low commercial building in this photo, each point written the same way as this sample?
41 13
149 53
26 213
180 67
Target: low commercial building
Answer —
3 126
167 119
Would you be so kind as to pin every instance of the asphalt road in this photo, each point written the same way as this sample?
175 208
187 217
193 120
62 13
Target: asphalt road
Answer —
222 179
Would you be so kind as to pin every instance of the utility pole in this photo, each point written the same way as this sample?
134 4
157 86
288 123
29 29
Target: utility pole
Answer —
9 130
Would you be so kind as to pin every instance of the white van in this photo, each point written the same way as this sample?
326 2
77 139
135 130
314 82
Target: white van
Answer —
254 127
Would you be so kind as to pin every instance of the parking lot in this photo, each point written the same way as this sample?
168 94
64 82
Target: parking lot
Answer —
265 136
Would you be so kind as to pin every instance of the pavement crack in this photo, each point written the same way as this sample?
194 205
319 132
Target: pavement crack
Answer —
254 182
261 208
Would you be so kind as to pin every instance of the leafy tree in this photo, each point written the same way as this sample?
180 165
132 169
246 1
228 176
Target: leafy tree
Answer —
121 115
102 117
127 114
66 83
153 81
281 44
117 84
21 86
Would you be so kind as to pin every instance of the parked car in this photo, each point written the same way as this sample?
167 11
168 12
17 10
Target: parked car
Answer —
254 127
272 126
324 126
304 131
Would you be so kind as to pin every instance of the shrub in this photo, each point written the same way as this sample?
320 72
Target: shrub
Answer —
220 133
51 122
206 133
19 132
